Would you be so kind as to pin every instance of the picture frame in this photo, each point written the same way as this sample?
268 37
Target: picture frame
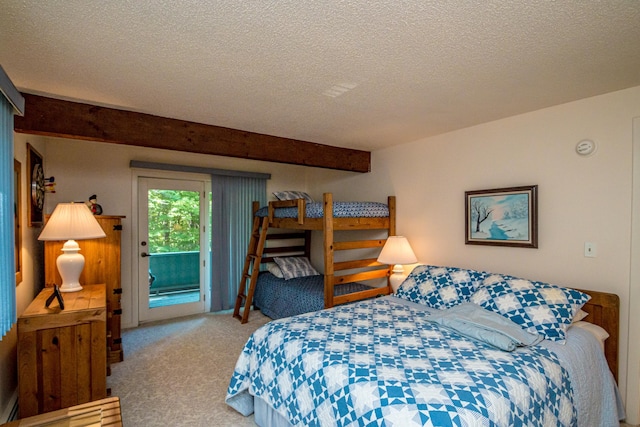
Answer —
502 217
36 190
17 218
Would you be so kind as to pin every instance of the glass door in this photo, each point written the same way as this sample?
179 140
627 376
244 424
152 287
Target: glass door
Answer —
172 247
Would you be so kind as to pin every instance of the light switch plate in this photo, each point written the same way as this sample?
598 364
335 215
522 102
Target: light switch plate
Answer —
590 250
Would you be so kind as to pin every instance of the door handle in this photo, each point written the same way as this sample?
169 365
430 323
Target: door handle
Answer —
144 254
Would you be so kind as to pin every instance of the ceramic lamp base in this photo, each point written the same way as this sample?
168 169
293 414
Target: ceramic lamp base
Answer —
70 265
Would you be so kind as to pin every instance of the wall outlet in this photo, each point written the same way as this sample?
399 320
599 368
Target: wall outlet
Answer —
590 250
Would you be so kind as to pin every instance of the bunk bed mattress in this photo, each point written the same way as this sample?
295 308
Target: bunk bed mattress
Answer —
278 298
340 210
381 362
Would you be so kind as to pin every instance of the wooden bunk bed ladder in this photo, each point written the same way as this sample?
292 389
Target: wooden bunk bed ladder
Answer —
251 268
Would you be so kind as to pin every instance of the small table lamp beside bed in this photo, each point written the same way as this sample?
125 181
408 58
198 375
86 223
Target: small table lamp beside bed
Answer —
397 251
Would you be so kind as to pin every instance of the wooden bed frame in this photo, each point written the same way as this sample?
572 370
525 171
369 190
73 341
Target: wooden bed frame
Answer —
365 269
604 311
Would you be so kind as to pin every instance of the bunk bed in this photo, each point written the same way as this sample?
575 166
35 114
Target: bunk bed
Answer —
299 217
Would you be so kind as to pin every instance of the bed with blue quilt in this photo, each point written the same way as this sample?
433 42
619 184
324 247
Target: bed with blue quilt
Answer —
453 347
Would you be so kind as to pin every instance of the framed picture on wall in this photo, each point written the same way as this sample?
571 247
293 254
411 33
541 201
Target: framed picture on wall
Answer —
35 178
502 217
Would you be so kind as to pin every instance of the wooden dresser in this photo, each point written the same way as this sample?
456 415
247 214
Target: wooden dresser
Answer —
62 354
102 265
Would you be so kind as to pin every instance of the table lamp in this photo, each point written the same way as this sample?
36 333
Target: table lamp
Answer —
71 222
397 251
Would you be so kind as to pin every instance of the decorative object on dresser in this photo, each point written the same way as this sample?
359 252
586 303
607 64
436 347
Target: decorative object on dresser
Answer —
93 205
62 357
102 265
397 251
55 295
71 222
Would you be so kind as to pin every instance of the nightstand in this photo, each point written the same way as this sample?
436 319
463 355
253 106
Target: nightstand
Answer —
62 354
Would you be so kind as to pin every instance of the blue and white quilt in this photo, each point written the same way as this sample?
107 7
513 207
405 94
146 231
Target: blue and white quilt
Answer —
382 363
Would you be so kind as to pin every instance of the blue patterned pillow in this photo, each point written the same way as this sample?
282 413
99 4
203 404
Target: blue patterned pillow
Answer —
292 195
293 267
538 307
440 287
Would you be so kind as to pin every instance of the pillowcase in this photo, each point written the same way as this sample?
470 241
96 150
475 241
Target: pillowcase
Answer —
538 307
600 334
580 315
293 267
275 270
440 287
292 195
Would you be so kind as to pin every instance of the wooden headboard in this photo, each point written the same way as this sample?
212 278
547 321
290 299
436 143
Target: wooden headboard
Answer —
604 311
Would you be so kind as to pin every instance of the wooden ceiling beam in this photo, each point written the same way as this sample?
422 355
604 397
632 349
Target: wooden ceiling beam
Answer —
67 119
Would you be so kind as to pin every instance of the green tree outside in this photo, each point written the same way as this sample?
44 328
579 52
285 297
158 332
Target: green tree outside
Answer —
174 221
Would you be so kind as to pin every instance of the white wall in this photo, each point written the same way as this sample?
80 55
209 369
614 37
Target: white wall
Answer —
580 199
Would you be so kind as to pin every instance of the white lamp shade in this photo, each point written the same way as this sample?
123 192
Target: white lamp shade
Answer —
71 221
397 250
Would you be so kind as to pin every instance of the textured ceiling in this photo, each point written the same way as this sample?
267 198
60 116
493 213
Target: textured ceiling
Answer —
349 73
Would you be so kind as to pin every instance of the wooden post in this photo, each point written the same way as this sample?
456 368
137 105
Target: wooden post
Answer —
328 250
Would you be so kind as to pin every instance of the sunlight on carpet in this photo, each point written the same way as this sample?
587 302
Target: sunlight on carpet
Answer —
176 372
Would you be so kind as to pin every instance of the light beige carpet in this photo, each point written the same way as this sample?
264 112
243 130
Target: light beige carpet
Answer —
176 373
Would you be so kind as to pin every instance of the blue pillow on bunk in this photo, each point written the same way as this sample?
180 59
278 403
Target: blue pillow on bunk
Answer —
440 287
292 195
538 307
293 267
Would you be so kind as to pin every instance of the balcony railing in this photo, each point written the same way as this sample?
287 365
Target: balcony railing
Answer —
174 272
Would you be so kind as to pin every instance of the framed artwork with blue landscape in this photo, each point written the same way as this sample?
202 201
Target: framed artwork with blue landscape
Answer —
502 217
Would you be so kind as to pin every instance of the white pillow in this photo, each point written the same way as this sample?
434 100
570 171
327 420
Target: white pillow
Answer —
580 315
596 330
274 269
